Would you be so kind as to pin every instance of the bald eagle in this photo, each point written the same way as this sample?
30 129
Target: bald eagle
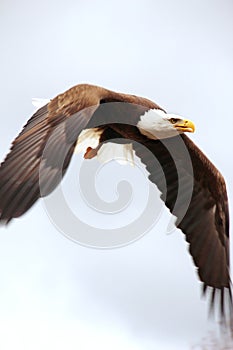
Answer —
33 167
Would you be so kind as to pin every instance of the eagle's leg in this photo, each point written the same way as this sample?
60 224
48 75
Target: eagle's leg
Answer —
91 152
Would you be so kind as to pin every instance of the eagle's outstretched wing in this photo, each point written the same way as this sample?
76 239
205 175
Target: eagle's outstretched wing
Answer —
41 153
195 192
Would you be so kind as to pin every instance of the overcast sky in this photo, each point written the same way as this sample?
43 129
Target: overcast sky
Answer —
56 293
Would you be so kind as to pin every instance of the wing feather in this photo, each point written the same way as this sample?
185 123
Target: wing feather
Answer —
38 159
205 221
204 217
41 153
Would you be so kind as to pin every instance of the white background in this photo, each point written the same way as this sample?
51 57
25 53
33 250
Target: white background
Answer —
55 293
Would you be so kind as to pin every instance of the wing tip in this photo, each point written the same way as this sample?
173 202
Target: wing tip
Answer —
4 222
220 303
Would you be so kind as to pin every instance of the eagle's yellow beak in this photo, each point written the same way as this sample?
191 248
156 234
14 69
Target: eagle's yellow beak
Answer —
185 126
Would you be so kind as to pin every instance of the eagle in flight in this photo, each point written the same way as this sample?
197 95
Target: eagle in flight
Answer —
41 153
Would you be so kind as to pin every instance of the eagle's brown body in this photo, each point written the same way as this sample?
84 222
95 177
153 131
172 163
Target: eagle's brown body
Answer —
33 168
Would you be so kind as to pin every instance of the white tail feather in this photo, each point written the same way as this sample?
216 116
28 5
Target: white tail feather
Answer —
88 138
123 154
39 102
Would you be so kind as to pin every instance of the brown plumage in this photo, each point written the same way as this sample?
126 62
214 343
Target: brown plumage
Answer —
33 168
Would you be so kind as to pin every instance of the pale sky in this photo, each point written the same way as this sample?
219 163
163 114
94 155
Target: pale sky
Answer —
56 293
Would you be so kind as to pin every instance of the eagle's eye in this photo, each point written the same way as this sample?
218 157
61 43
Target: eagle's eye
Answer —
174 120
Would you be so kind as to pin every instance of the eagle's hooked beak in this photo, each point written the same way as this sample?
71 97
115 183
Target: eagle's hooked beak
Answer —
185 126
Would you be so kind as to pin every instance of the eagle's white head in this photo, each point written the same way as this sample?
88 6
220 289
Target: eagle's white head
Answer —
156 124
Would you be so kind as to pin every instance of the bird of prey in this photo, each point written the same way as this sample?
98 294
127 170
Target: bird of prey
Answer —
41 153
